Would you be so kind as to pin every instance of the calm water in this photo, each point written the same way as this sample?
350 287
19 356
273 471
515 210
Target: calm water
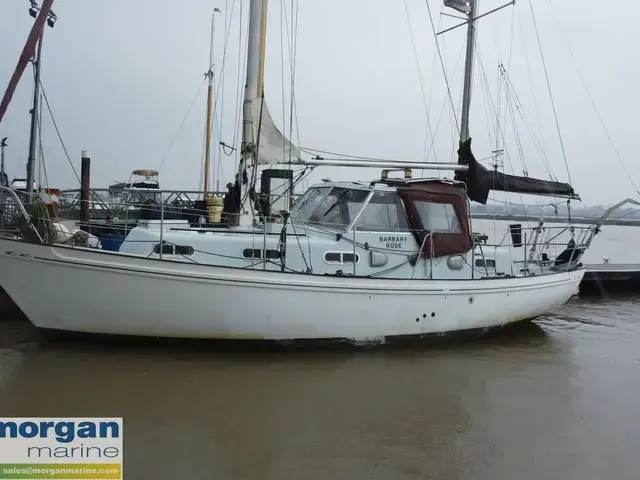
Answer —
557 398
554 399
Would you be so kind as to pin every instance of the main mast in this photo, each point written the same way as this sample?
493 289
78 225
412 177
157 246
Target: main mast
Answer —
253 103
253 91
468 69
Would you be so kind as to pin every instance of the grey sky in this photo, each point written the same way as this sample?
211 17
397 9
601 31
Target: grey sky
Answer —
121 74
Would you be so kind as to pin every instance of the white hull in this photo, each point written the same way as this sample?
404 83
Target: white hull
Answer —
80 290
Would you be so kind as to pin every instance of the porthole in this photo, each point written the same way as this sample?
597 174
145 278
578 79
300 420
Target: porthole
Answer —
489 263
341 258
171 249
183 250
257 253
348 258
333 257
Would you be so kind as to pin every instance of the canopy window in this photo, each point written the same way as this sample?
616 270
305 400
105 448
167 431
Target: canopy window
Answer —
438 216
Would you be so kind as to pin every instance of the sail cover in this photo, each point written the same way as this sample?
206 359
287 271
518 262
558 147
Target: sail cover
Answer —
480 181
273 146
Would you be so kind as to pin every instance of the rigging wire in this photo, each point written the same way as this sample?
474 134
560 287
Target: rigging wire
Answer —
584 84
425 152
506 91
533 95
293 109
546 74
166 155
510 109
444 103
242 65
292 46
444 71
493 105
218 96
202 153
451 111
215 102
420 79
55 126
520 109
284 103
221 95
312 151
489 124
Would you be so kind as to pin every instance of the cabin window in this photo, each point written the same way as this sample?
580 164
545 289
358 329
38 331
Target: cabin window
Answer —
349 258
308 203
438 217
333 257
384 213
341 257
171 249
338 209
183 250
257 253
489 263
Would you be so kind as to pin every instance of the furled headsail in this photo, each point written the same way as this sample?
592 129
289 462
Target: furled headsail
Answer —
480 181
262 142
259 131
273 146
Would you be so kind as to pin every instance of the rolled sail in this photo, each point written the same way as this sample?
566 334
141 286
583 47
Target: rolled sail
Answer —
273 146
480 181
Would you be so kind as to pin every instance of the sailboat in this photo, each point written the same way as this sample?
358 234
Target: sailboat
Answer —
350 261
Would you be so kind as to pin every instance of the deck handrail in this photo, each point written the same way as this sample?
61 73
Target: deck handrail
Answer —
25 214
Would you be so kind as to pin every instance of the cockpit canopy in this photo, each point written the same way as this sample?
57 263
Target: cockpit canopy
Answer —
432 209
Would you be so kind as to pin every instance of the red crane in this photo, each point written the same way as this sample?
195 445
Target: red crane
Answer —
27 52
